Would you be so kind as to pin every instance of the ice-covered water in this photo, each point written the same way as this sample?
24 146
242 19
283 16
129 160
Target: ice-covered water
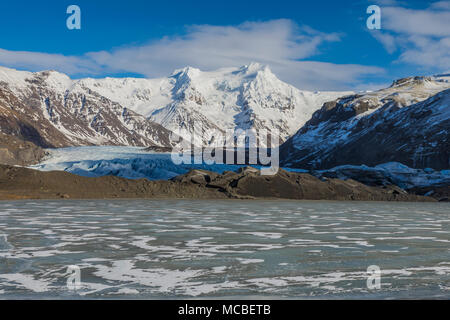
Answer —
195 249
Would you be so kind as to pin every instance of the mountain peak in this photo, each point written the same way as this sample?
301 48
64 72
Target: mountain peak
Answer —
189 72
410 81
255 67
13 76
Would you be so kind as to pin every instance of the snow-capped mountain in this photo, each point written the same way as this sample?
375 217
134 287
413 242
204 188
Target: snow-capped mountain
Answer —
51 109
409 122
250 97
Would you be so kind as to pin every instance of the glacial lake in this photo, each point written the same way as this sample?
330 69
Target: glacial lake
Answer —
166 249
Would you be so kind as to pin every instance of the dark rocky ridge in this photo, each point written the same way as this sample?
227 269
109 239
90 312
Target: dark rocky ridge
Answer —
21 183
441 193
415 181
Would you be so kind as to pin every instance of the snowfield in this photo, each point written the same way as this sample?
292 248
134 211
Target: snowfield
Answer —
229 98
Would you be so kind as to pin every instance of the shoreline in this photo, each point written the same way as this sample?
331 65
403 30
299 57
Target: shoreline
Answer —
62 200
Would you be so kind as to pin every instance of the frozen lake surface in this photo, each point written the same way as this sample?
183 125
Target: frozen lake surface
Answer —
213 249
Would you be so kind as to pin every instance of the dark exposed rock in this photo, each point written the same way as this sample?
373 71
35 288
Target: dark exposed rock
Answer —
440 193
158 149
370 178
14 151
248 183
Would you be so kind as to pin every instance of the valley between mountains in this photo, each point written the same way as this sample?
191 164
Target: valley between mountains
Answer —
390 144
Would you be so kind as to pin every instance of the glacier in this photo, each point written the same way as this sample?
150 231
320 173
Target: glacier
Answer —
125 162
136 163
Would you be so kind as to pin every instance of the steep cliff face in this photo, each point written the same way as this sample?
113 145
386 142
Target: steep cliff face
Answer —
408 122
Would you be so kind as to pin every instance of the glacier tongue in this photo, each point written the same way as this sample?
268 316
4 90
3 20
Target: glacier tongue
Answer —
126 162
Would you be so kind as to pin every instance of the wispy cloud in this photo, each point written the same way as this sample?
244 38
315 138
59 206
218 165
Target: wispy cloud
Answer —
44 61
387 40
421 36
285 46
434 21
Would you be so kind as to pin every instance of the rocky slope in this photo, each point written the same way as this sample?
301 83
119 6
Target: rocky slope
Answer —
408 122
14 151
22 183
418 181
51 110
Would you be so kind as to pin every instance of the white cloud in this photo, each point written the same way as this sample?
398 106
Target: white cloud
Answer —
423 36
388 41
428 52
279 43
41 61
431 22
441 5
312 75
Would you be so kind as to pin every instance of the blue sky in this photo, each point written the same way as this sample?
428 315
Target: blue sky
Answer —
315 45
